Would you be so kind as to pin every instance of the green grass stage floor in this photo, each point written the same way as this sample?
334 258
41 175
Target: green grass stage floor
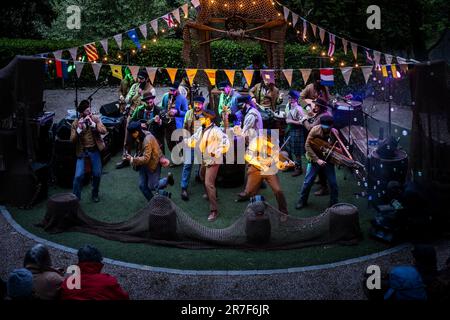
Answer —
120 199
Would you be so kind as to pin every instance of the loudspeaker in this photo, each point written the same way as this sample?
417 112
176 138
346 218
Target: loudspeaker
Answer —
110 110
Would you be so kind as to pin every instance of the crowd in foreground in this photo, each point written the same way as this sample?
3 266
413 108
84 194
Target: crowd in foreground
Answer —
40 280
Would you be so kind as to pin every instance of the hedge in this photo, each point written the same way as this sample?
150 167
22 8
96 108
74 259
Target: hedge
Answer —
225 54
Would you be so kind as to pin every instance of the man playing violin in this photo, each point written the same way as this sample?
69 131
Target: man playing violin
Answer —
316 163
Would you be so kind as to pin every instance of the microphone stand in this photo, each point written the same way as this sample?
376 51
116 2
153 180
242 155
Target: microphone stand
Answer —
96 90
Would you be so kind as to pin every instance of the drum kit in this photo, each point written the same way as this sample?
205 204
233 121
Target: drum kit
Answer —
347 113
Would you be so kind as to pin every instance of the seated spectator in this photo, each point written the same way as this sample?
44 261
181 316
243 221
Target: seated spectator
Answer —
94 284
405 283
440 288
425 262
46 280
20 285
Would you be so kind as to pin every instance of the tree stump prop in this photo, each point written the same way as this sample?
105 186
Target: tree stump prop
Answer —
62 213
344 222
257 225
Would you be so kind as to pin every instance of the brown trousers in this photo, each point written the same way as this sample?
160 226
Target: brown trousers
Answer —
208 176
254 180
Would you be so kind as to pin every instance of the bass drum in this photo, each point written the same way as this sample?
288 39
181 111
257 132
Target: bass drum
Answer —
232 173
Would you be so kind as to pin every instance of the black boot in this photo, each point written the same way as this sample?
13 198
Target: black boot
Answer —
122 164
95 188
184 195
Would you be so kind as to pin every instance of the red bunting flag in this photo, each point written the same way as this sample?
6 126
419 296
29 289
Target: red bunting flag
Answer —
91 52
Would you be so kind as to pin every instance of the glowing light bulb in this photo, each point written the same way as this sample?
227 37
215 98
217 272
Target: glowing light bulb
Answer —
356 65
314 47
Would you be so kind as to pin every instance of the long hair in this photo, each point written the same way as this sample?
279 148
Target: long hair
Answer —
39 256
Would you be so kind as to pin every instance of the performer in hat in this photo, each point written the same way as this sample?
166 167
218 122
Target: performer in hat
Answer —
213 143
176 106
192 122
148 161
314 91
252 117
228 106
86 134
266 88
315 163
294 132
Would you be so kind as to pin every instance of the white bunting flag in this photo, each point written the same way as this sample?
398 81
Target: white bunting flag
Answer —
134 71
286 13
377 57
176 14
367 71
154 25
195 3
346 73
294 19
104 43
401 60
305 74
288 75
185 8
151 74
143 29
73 53
78 67
58 54
322 34
345 45
388 58
305 30
96 67
354 49
314 29
118 38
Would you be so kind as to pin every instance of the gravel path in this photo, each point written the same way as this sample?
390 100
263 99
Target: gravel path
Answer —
340 282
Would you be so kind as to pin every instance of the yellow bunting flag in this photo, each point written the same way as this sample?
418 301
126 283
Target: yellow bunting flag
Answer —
116 71
172 73
230 74
211 73
248 74
191 73
288 75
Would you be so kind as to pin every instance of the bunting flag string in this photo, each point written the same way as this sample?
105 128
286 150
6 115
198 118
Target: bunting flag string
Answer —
176 14
367 71
191 73
195 3
345 45
305 30
118 38
116 71
322 34
172 73
154 24
73 53
185 9
314 29
78 68
61 68
143 29
91 51
332 44
96 68
346 73
58 54
377 57
104 44
288 75
388 58
286 13
354 50
294 19
230 74
134 71
168 19
133 36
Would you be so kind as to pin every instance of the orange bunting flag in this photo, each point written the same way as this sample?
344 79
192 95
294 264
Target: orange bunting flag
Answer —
248 74
230 74
172 73
211 73
288 75
191 73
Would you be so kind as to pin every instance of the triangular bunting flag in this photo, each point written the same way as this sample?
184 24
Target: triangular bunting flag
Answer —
322 34
354 49
332 44
401 60
195 3
134 71
91 51
314 29
118 38
73 53
78 67
154 25
294 19
176 14
211 73
57 54
191 73
345 45
388 58
168 19
327 77
185 8
230 74
367 71
116 71
134 37
96 67
172 73
151 74
104 43
143 29
377 57
346 73
306 73
286 13
288 75
248 74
